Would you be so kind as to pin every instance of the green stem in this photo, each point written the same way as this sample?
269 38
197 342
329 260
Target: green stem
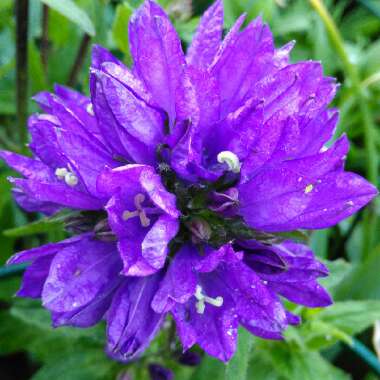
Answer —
45 38
367 355
78 63
366 116
22 13
12 270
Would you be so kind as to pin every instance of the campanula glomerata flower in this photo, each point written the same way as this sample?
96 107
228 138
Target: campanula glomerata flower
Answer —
177 180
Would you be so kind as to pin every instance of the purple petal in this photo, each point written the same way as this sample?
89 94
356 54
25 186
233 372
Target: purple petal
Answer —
258 308
281 55
312 192
207 39
130 234
58 193
80 105
244 62
72 122
154 247
207 93
28 167
100 55
132 179
285 139
293 319
212 258
34 277
79 274
132 323
308 293
30 204
43 100
152 184
122 143
294 88
132 114
178 284
45 250
130 252
216 329
86 157
285 262
44 142
90 314
159 61
124 76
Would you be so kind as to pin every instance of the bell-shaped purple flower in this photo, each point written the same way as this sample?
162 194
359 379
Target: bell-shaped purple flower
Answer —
142 214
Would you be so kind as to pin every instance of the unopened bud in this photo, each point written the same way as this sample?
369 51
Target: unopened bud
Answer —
200 229
158 372
190 358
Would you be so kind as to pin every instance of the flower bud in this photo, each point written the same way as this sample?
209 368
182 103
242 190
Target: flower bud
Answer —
158 372
190 358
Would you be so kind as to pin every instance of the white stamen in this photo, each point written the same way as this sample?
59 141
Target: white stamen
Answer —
70 178
203 299
90 109
230 159
309 189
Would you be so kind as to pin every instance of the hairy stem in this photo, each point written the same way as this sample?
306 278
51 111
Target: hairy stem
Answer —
366 117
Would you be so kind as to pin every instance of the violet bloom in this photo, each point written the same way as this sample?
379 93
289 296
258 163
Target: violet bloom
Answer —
179 175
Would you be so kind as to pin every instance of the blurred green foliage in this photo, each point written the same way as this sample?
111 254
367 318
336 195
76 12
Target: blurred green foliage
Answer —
352 249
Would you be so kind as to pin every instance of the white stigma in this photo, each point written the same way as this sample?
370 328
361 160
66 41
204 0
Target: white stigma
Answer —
202 299
140 212
90 109
61 172
70 178
309 189
230 159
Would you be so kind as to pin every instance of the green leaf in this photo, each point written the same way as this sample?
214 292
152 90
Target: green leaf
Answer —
372 5
319 242
210 368
40 226
75 14
338 270
363 280
8 288
294 364
352 317
36 70
238 365
261 369
120 29
90 364
30 313
27 327
320 335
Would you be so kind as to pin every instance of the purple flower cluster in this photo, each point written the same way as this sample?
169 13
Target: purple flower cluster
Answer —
181 175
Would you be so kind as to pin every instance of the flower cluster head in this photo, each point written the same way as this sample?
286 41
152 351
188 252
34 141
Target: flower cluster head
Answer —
182 175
